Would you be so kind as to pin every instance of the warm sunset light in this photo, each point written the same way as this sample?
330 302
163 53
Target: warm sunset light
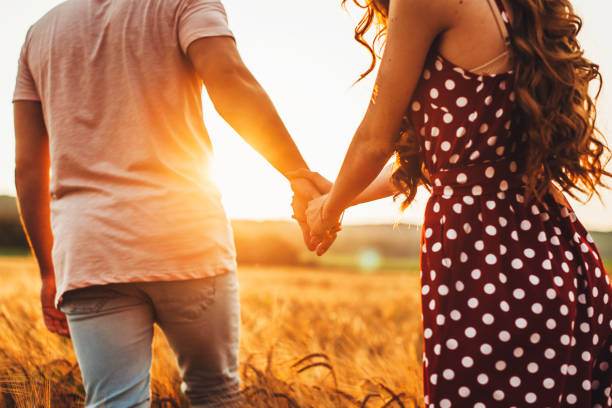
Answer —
308 71
246 251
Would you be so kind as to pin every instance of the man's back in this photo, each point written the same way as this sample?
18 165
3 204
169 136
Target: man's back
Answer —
131 194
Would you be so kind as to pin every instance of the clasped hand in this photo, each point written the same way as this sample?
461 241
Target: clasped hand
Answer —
310 194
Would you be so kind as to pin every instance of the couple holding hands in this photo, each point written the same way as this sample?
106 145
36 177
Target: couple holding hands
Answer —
485 102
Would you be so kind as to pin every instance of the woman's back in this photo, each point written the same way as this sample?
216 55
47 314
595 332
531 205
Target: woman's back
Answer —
516 303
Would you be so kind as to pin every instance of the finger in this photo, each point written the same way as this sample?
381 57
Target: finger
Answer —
306 236
326 244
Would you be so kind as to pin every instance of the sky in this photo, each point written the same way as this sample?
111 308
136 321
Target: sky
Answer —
304 55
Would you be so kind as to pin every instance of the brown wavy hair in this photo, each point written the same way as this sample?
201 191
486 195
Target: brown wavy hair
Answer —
552 79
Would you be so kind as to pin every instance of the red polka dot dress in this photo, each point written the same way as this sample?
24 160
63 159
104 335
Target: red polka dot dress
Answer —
517 306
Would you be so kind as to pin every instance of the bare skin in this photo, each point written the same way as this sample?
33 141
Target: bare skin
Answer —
465 32
32 182
244 105
238 98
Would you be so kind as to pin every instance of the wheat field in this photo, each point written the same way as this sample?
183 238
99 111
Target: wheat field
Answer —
310 337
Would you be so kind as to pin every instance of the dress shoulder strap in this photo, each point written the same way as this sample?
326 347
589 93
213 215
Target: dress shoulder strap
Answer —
503 21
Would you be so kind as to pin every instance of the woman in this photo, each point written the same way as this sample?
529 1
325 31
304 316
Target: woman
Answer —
517 307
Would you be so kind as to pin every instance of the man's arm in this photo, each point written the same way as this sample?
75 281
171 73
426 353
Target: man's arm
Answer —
247 108
242 102
32 183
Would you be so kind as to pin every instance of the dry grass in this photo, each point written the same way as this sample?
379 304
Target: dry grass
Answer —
310 338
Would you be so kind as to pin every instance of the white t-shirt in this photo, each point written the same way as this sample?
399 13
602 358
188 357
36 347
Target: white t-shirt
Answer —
131 194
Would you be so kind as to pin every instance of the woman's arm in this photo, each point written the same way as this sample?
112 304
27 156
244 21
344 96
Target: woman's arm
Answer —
413 25
381 187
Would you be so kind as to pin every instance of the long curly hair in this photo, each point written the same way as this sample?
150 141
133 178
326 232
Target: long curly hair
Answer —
552 79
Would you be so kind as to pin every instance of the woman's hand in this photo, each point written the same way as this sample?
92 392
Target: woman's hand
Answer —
323 226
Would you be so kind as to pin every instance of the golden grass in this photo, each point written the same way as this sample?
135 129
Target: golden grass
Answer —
310 338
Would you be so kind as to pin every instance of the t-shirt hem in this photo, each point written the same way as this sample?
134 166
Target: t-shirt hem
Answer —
26 98
197 35
165 276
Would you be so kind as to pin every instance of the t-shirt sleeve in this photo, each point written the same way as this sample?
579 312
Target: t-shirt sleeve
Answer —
202 18
25 87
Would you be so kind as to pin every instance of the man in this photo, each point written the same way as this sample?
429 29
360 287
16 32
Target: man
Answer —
129 230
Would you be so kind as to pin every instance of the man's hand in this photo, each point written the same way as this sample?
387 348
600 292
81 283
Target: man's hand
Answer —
303 192
55 320
307 186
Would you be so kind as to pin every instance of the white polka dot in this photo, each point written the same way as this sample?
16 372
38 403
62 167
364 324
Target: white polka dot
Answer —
532 368
443 290
462 101
448 374
518 352
534 280
498 395
435 131
491 259
433 93
469 200
464 392
525 225
473 303
455 315
518 293
446 146
500 365
438 65
531 397
515 381
517 263
449 84
521 323
482 378
486 349
445 403
467 362
473 116
535 338
504 336
489 288
548 383
427 333
470 332
488 319
451 234
452 344
537 308
447 118
529 253
488 100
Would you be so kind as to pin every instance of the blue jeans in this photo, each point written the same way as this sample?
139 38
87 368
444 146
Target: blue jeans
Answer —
112 334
